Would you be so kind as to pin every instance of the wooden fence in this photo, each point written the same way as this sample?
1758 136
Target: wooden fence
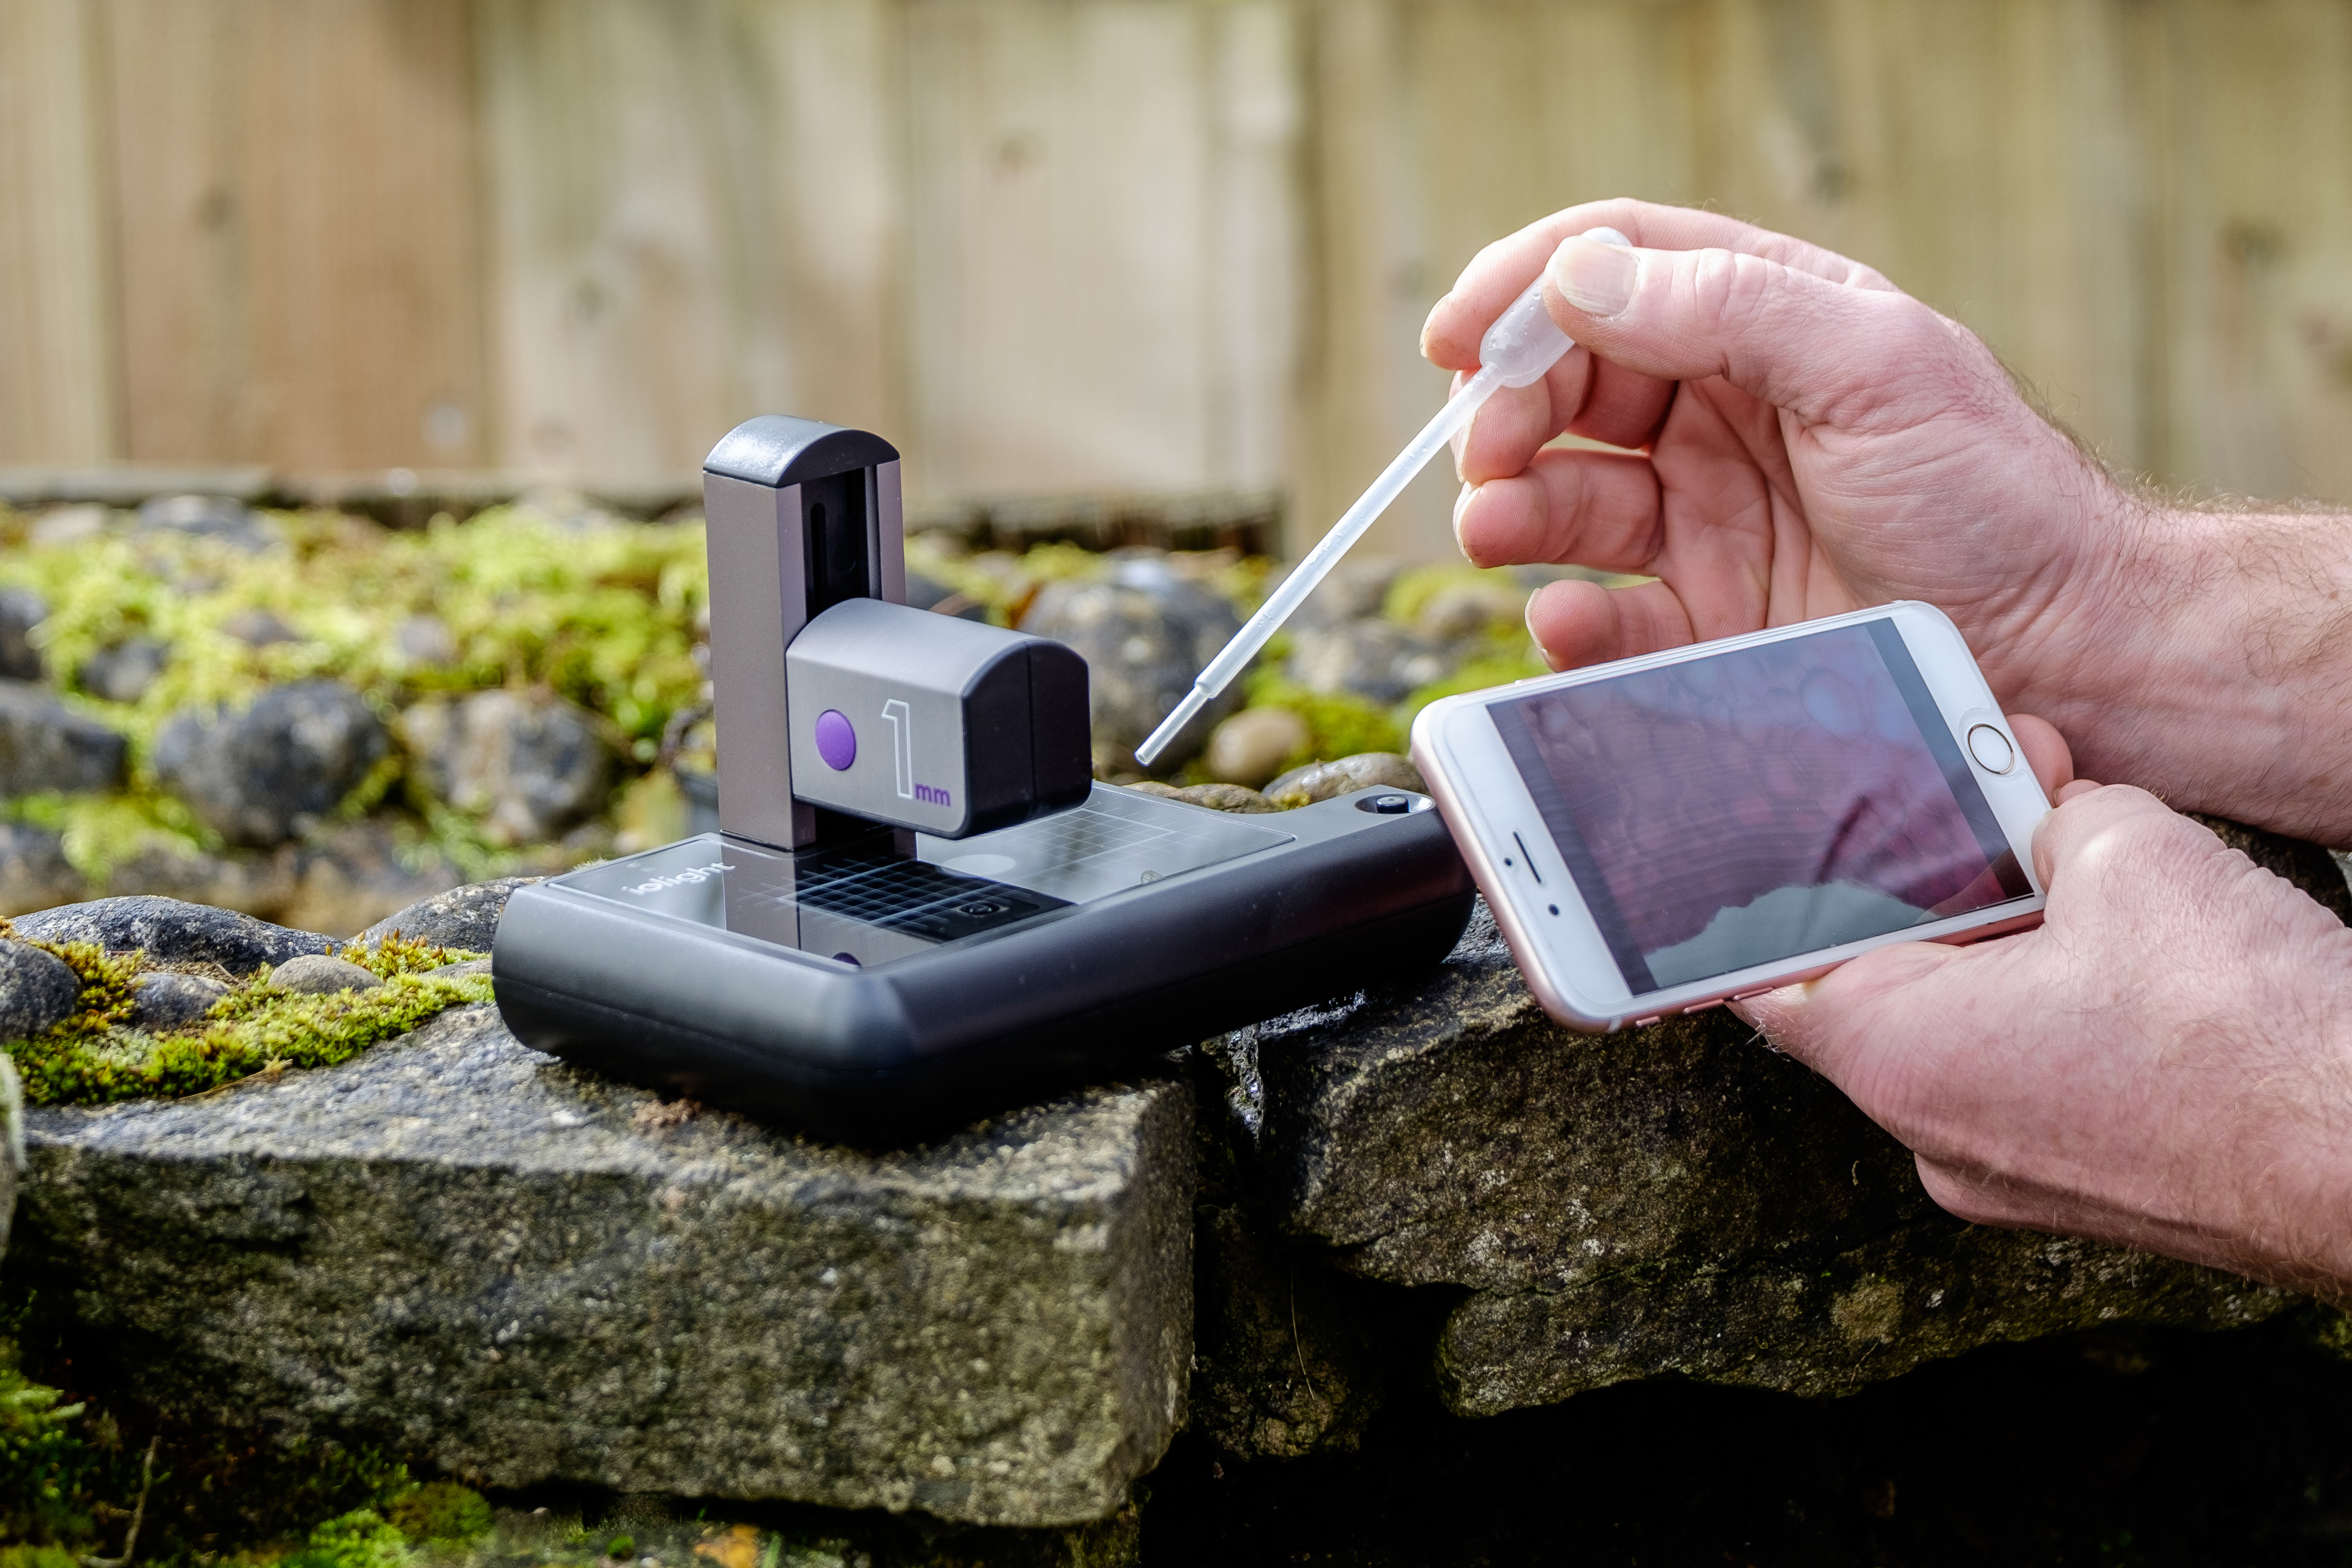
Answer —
1062 247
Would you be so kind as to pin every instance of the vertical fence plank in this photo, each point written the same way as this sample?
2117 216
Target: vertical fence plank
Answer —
296 210
58 381
694 210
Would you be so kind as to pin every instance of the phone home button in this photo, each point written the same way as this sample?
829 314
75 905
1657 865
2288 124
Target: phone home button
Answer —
1991 749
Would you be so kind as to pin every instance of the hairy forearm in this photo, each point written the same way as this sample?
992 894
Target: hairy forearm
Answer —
2218 672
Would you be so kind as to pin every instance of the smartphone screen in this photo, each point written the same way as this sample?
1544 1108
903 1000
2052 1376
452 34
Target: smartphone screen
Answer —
1753 805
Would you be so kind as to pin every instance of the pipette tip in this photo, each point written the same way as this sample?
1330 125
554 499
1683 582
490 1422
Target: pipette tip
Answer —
1194 700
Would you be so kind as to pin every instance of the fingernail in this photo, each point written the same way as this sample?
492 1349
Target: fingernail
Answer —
1462 504
1595 276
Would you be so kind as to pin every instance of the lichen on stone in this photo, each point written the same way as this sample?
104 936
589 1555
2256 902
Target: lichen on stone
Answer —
96 1056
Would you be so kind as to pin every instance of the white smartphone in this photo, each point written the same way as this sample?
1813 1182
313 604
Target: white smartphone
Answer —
1665 834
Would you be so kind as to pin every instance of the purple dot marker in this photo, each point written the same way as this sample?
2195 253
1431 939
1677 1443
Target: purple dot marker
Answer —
835 741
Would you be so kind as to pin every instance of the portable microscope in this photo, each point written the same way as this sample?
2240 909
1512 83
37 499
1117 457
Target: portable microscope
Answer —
921 907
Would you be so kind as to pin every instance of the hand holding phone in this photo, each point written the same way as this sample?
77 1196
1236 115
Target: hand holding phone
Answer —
1665 834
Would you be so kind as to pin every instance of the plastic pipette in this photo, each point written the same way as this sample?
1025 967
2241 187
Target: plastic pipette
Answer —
1516 351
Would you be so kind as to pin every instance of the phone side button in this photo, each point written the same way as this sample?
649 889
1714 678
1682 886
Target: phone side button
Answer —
1644 1023
1743 995
1701 1006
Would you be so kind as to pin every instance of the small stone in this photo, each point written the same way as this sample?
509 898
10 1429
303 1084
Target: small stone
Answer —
163 999
529 768
1251 746
61 526
221 517
34 871
457 971
44 745
38 991
1355 590
1324 780
170 932
426 642
21 610
1225 798
123 673
1460 609
465 918
322 975
1376 660
277 769
258 628
1145 633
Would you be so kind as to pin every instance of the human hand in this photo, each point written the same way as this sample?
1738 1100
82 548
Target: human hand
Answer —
1816 441
2165 1062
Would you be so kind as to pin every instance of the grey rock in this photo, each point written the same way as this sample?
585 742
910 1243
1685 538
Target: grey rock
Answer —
465 918
170 932
1379 661
1250 748
258 628
1216 797
470 967
21 610
1145 633
123 673
1325 780
426 642
529 768
44 745
37 990
467 1252
275 770
322 975
222 517
34 871
70 525
1355 590
1458 610
163 999
1673 1200
1830 1325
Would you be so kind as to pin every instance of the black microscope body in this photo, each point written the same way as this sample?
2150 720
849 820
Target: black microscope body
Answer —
921 907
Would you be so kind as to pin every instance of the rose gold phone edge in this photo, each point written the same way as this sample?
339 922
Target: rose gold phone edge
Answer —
1531 958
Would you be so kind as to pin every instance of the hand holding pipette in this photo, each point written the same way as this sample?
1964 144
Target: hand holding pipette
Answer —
1517 350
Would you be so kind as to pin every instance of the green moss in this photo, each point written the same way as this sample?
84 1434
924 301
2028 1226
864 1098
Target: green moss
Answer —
360 1539
604 617
94 1058
44 1463
441 1510
1340 723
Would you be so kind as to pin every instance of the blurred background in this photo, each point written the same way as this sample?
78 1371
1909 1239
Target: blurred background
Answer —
1158 258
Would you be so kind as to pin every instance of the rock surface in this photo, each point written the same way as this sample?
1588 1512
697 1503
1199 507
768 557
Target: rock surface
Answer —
1677 1199
275 770
222 517
21 610
170 932
322 975
528 769
123 673
1250 748
1145 633
163 998
466 918
1379 661
1365 770
44 745
34 871
37 990
462 1250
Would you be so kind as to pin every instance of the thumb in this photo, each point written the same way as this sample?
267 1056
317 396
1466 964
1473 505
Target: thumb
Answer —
1821 350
